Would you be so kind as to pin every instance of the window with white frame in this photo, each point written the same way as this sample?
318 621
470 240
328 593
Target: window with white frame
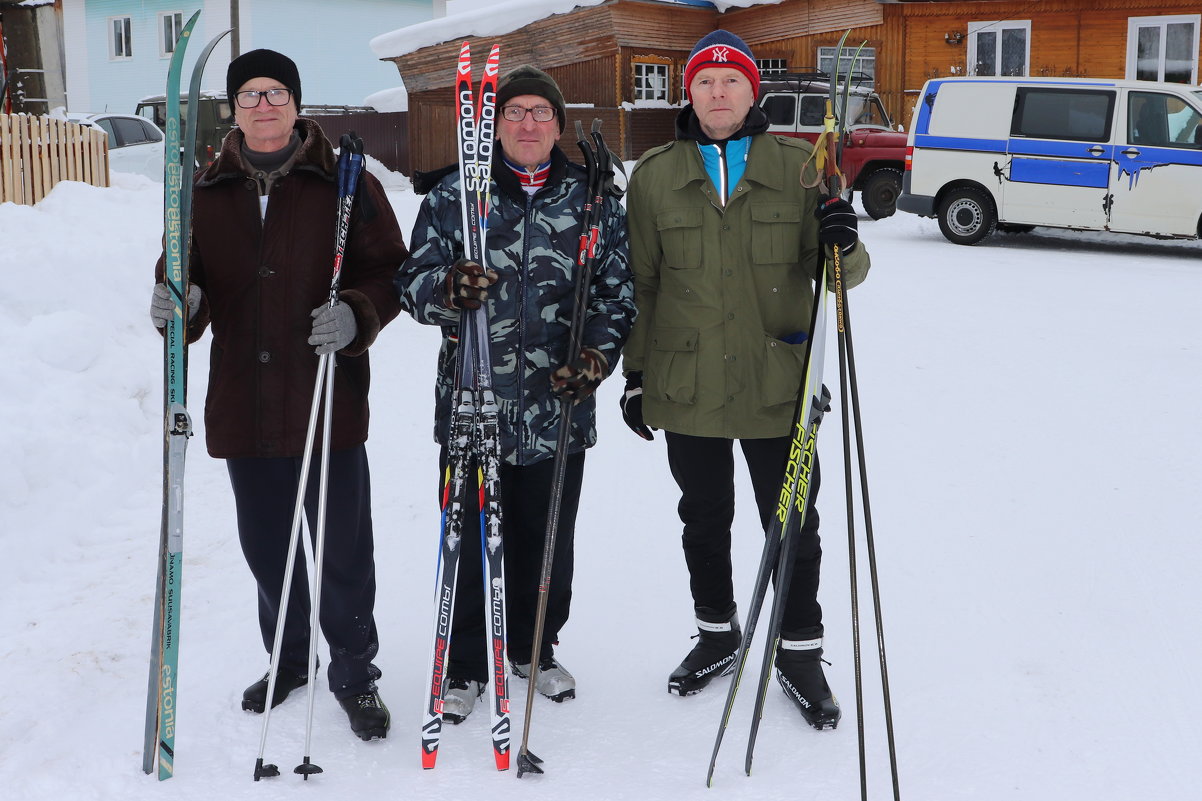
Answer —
650 81
1163 48
1000 47
864 66
120 42
170 25
772 66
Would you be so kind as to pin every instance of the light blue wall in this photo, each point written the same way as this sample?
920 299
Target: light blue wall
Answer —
337 66
117 85
328 39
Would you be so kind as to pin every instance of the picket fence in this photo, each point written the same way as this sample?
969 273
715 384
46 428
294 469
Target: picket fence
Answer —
38 152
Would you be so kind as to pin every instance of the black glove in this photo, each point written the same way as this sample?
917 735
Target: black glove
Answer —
579 378
467 284
836 223
632 405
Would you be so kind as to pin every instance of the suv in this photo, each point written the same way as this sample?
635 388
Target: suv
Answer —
874 153
216 120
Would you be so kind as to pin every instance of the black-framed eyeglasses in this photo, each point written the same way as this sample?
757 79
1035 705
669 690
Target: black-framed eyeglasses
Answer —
275 97
518 113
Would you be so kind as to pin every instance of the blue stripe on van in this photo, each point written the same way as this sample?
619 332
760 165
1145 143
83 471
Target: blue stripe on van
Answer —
1058 149
959 143
1095 175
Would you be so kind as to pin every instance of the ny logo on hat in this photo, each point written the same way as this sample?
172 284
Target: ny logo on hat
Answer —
720 54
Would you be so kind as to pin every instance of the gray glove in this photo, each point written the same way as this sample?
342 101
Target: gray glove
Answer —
162 307
333 327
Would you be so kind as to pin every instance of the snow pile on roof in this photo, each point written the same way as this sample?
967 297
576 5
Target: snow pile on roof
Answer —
497 19
723 5
389 100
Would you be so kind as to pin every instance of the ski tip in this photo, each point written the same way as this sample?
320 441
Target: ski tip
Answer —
429 758
502 760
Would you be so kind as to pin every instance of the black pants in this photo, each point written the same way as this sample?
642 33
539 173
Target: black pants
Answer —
704 469
264 494
525 492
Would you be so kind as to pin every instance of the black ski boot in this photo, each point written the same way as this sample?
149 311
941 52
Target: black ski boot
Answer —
799 671
718 638
254 697
368 716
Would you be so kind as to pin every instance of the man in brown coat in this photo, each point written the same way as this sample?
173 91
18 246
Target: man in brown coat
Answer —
264 218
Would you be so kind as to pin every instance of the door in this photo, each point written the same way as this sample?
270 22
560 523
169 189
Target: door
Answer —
1157 182
1058 171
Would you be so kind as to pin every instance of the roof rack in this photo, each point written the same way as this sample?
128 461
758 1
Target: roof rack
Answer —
815 76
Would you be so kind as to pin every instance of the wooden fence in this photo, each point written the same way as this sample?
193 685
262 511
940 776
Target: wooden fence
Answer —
38 152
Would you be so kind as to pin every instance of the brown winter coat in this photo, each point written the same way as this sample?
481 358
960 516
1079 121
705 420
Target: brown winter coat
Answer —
261 281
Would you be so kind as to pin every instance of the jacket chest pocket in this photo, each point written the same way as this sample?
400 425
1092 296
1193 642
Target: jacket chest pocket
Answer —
680 238
776 233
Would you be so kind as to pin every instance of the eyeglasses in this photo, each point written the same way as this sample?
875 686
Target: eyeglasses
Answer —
275 97
518 113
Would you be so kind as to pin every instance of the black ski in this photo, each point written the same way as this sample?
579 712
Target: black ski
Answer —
812 402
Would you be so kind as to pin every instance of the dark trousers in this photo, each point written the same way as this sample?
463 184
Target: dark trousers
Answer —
525 496
704 469
264 494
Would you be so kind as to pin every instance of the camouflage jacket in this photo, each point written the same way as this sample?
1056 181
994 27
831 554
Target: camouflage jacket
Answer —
532 244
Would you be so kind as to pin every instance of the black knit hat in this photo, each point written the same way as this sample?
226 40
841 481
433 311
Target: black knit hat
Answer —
262 64
528 80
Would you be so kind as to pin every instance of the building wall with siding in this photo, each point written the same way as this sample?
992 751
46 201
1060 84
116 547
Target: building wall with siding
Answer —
1086 38
337 67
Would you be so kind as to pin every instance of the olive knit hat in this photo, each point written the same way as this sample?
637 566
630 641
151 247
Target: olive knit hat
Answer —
528 80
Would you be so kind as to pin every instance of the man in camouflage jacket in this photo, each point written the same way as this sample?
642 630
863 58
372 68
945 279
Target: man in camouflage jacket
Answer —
526 285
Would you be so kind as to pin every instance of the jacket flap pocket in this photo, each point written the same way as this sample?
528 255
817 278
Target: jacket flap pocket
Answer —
776 212
678 218
678 339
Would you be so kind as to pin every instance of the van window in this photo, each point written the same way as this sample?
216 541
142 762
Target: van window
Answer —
781 109
1162 120
1051 113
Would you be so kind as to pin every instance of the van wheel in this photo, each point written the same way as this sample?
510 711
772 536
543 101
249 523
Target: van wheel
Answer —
966 216
880 192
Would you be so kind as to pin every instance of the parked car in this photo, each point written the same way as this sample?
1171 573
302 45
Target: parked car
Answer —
874 151
135 144
215 121
1079 153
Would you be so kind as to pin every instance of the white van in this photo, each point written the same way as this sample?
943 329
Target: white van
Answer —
1080 153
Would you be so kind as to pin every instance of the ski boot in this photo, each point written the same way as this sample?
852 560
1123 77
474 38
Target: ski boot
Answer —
799 671
718 638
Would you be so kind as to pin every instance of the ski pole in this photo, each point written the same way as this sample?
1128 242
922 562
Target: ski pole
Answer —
350 166
597 161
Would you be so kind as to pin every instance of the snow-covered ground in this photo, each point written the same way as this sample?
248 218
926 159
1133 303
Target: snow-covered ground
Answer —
1033 447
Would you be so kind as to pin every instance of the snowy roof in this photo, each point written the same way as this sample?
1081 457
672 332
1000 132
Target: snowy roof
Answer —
502 18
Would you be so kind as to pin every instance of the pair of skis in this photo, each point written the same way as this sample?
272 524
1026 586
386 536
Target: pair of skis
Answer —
473 447
812 402
161 705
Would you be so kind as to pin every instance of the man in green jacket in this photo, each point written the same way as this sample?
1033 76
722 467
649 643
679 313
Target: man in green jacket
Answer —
725 244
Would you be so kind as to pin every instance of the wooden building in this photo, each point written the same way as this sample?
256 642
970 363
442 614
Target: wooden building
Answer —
623 60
